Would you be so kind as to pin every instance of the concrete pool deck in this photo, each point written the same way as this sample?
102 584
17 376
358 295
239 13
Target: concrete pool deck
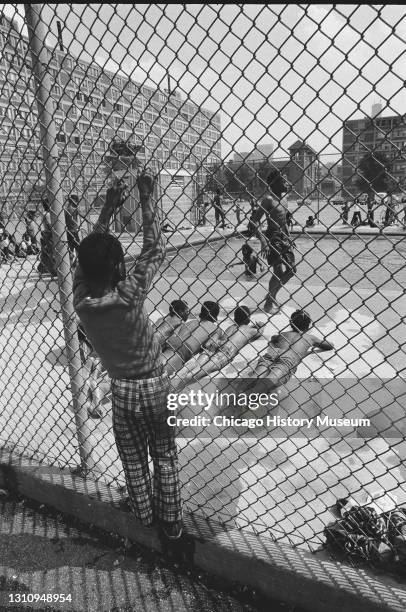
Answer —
273 485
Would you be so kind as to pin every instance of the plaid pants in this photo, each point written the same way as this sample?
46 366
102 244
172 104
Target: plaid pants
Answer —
140 425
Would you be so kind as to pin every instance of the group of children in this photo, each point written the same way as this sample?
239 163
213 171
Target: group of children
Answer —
10 248
196 347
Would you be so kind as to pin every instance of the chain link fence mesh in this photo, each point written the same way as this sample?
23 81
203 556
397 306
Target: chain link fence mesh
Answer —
213 97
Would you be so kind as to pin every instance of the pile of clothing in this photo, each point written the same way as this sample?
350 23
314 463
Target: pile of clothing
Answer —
364 533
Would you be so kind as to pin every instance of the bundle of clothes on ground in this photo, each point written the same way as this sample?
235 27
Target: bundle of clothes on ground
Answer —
367 533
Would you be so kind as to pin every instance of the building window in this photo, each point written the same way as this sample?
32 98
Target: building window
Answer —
22 114
93 72
118 107
54 73
60 137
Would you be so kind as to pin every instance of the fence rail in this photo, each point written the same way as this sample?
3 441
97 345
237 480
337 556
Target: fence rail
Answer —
214 98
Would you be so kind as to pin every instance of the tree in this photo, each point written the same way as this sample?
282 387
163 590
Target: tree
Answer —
119 148
246 176
121 160
262 175
240 179
374 169
35 194
215 178
232 183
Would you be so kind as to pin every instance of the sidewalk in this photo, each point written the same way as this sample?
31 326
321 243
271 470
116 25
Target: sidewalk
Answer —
46 553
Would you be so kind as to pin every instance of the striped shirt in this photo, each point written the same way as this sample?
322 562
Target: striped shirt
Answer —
117 324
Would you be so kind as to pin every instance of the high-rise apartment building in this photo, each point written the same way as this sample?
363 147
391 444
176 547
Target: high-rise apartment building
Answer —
379 134
93 106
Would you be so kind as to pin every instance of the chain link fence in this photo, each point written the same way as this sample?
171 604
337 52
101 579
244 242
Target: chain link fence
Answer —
213 98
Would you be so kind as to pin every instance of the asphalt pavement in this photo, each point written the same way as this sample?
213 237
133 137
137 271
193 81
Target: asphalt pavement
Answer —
48 557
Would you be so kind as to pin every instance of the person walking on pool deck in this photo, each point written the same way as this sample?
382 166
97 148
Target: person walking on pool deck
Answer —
276 243
285 353
111 308
356 217
165 326
218 209
47 263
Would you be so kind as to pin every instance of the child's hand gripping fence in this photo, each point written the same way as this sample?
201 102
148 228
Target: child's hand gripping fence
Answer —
215 98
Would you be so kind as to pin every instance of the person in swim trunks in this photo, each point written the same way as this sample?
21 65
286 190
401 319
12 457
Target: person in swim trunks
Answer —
285 352
250 260
275 241
165 326
191 336
215 355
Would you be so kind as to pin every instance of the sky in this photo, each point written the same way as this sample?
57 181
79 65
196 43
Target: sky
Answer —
275 72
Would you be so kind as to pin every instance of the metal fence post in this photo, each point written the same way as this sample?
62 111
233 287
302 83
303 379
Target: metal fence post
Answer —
40 61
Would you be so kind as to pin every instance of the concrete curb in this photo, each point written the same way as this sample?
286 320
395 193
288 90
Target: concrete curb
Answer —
275 570
202 240
306 233
346 231
193 241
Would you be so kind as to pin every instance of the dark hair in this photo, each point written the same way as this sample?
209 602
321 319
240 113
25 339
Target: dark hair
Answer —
210 311
178 308
300 320
218 191
274 177
242 315
99 255
246 251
